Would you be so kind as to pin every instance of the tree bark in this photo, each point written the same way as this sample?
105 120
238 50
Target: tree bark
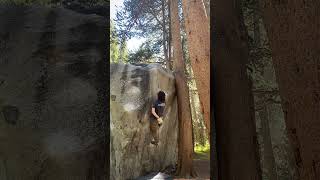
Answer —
194 119
198 39
200 127
256 24
235 116
269 161
185 153
293 32
206 3
169 35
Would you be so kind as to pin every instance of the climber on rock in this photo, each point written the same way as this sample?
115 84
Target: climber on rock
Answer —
156 116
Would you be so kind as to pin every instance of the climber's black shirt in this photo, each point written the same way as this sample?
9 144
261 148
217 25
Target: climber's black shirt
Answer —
159 108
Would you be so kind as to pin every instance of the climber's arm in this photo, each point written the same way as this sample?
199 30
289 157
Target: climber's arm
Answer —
153 110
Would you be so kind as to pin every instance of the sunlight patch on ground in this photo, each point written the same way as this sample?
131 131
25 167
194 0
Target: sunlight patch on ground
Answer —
159 176
202 152
201 148
155 176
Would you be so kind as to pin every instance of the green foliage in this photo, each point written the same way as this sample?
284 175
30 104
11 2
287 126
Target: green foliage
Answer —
202 148
139 18
202 152
118 50
142 19
144 54
114 44
124 53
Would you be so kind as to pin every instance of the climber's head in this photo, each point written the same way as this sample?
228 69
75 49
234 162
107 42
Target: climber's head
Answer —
161 96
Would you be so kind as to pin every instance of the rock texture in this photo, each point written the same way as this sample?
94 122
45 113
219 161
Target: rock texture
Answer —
52 94
133 89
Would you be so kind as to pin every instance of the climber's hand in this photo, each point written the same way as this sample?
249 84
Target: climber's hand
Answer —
160 121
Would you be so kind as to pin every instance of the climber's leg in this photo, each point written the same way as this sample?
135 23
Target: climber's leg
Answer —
154 128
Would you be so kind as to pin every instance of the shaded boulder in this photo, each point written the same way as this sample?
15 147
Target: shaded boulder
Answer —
52 94
133 90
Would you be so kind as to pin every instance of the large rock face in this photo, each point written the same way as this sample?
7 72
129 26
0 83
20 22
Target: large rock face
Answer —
52 94
133 89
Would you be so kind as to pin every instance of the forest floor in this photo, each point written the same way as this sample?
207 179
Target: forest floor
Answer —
201 163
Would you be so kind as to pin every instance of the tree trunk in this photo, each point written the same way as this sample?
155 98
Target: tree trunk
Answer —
198 39
202 136
200 127
268 164
193 118
256 24
169 35
206 3
193 138
269 161
235 117
293 32
164 33
195 129
185 168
